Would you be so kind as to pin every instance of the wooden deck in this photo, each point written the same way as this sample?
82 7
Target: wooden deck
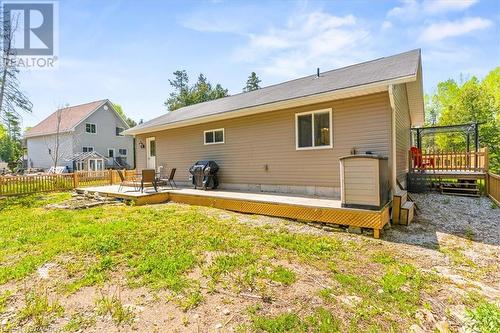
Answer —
280 205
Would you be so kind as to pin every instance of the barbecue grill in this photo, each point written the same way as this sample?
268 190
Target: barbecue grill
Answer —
205 175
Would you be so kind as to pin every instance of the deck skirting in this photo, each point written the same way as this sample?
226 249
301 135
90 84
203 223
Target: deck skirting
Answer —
306 209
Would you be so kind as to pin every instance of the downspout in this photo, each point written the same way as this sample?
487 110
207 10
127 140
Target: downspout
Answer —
392 156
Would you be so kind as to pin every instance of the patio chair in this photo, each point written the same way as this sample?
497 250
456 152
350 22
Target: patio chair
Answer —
128 183
148 179
170 180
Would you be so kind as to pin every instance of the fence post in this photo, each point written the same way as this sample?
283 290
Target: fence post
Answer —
75 179
111 175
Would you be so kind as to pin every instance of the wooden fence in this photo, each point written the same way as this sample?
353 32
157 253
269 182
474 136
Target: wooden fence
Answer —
453 161
17 185
493 187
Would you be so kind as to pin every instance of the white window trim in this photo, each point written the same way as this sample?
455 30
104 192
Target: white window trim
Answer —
330 146
95 163
93 149
91 132
214 143
122 129
114 152
126 152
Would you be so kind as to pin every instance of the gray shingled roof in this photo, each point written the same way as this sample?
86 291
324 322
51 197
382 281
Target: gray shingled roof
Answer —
378 70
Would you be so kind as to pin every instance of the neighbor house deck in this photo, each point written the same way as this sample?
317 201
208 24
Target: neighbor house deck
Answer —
318 209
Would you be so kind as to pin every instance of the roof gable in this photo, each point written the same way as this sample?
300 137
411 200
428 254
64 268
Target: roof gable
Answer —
70 117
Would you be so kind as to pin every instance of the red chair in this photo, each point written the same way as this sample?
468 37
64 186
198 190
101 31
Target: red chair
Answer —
418 161
416 157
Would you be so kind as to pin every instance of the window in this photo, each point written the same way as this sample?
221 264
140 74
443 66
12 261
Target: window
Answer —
79 165
88 149
119 130
111 152
96 165
152 148
122 152
214 136
90 128
313 130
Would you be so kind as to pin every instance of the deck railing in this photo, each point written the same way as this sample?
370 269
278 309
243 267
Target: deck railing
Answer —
451 161
16 185
493 187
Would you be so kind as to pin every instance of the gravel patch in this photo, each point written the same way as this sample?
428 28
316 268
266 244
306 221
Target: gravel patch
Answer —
475 219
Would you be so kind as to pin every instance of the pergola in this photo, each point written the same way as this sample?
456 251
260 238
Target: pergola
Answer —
469 130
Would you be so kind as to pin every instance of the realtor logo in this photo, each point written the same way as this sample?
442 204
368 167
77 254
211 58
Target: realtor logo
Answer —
29 33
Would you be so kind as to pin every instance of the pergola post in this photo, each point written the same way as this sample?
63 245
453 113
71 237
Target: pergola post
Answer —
476 144
419 139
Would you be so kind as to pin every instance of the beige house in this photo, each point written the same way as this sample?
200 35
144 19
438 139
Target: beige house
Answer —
290 137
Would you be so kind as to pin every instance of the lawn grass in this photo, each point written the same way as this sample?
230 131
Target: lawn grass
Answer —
158 247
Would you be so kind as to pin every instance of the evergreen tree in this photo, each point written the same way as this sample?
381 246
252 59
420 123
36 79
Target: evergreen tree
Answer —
184 95
252 83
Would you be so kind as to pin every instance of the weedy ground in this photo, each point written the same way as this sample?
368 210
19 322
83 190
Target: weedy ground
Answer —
173 267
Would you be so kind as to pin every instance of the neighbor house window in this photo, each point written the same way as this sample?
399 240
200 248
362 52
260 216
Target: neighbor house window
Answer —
313 129
111 152
213 136
119 130
122 152
90 128
87 149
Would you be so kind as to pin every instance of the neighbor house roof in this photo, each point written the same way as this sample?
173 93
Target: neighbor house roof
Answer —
84 156
383 71
70 117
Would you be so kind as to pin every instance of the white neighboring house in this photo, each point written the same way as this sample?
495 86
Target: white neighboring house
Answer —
91 127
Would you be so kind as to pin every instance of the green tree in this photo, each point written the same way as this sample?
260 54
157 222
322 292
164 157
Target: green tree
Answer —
252 83
12 98
184 94
468 102
10 140
131 122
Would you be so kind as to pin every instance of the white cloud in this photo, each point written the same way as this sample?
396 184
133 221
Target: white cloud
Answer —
441 6
442 30
386 25
413 9
305 42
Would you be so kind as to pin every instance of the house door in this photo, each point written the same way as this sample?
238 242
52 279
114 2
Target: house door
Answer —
151 153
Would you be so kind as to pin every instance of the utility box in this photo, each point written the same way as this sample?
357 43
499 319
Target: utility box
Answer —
364 181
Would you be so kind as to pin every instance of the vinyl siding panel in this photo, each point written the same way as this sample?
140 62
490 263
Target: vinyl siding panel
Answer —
38 150
403 125
106 122
268 139
415 97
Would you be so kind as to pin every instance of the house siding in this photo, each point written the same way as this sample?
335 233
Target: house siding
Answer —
106 122
38 150
403 125
259 150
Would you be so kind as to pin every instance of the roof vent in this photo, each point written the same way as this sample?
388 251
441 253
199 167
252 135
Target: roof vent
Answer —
317 72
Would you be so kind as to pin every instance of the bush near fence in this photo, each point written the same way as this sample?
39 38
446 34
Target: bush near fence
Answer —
17 185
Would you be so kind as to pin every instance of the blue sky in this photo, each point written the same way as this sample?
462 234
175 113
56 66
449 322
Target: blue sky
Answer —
127 50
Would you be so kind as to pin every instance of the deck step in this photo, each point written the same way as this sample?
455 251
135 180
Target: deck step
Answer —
472 189
398 200
462 194
407 213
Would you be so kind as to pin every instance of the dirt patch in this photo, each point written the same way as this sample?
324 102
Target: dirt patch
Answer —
83 200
